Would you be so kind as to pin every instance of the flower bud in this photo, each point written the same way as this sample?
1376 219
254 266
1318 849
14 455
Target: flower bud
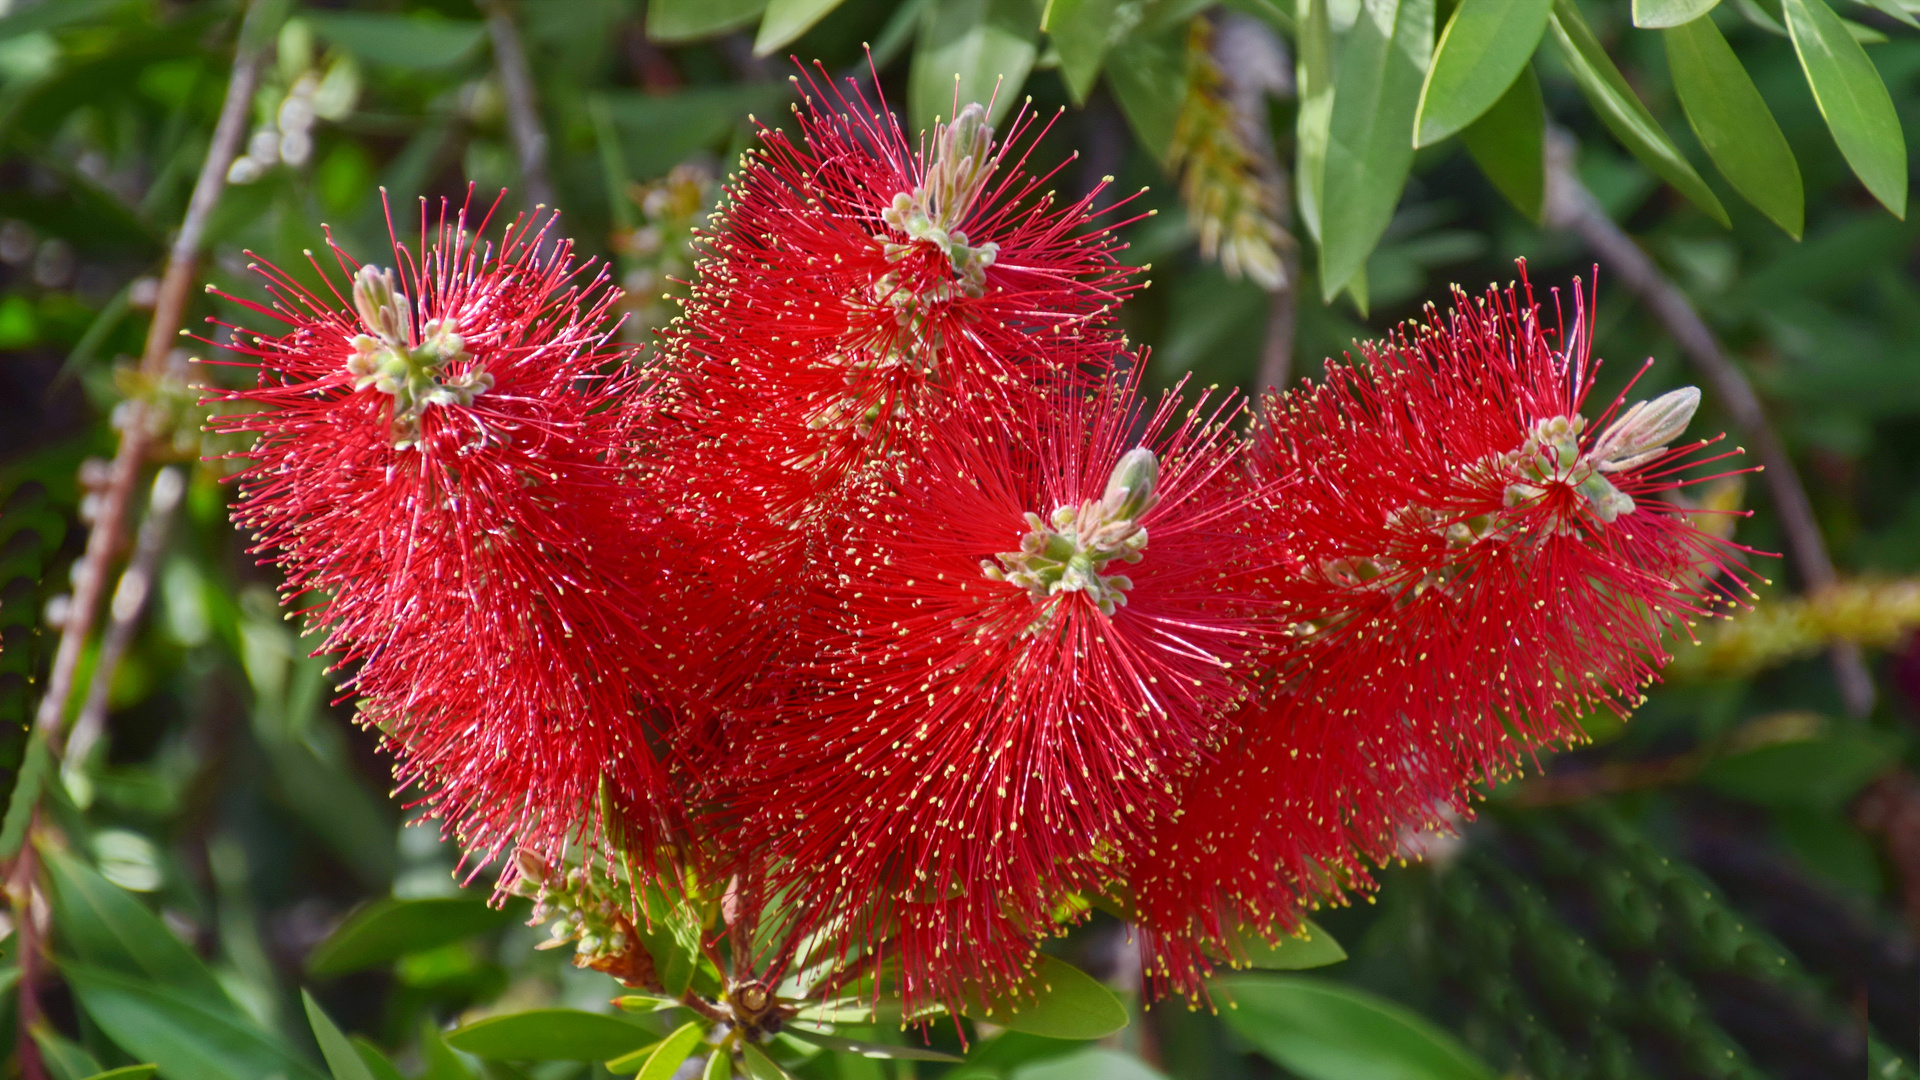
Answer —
1642 432
382 306
1130 487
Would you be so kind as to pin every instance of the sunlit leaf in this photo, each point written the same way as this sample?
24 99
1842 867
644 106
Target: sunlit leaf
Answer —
1653 14
1325 1031
1058 1001
550 1034
1313 947
1508 142
671 1053
1622 112
1483 49
1853 98
342 1059
987 45
1097 1063
1313 75
759 1065
867 1049
388 929
672 21
1376 90
786 20
1733 122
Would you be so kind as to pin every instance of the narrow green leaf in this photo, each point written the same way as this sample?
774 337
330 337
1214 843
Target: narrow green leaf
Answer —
1623 113
786 20
1324 1031
1148 76
1481 52
1376 90
1820 774
1508 142
442 1063
633 1059
719 1067
1733 122
388 929
1760 17
759 1065
1081 31
988 45
182 1033
1059 1001
868 1049
399 40
342 1059
104 927
1656 14
550 1035
65 1059
375 1061
127 1072
672 1052
1313 76
1313 948
1095 1063
26 795
674 21
1858 109
54 16
1892 9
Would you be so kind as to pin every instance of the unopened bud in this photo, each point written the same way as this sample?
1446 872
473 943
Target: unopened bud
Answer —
382 306
1642 432
1130 488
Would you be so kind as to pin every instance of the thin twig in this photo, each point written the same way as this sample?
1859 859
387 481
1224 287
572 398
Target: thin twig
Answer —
1571 206
523 108
129 599
169 309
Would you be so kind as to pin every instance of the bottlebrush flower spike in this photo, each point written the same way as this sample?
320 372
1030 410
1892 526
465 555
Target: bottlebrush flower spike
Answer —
1473 570
972 733
437 468
849 280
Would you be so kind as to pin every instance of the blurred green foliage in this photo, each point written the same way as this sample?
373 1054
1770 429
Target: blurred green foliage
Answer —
1715 889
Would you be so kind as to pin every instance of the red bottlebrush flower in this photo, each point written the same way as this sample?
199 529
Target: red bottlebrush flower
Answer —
1474 567
970 733
437 470
848 280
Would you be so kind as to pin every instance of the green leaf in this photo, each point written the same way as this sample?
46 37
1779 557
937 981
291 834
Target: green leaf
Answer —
1081 32
1313 948
1623 113
127 1072
759 1065
104 927
1893 10
184 1034
398 40
786 20
54 16
1819 773
1858 109
1508 142
867 1049
26 786
1733 122
1376 90
1058 1001
66 1060
550 1035
673 21
1097 1063
719 1067
1313 75
388 929
442 1063
1324 1031
989 45
1481 52
1149 80
341 1057
1656 14
375 1061
672 1052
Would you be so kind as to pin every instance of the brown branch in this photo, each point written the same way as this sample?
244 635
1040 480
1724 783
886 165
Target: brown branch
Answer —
1572 207
169 309
523 108
129 598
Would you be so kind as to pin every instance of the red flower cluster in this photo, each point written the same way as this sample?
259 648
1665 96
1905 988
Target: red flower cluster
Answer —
889 594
